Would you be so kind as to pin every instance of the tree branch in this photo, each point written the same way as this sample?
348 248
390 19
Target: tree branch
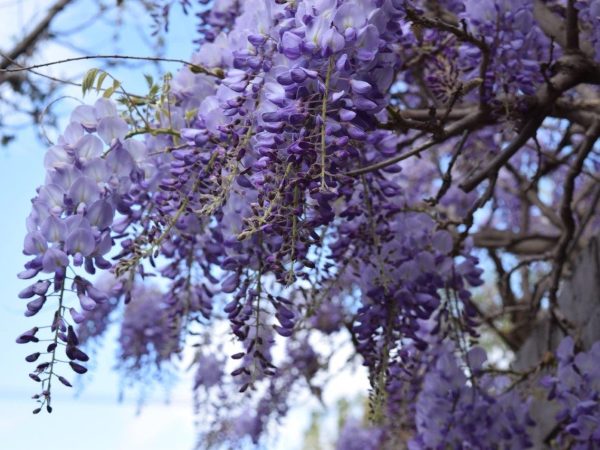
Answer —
34 35
531 196
572 27
518 244
572 70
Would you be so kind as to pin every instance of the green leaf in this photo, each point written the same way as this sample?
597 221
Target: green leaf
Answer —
108 92
153 91
149 80
191 114
111 90
88 80
101 79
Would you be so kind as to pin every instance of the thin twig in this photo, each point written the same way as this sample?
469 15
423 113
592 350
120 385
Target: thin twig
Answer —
35 72
218 73
447 177
466 123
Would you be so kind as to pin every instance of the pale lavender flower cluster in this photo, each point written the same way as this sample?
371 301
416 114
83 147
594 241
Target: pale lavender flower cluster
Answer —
89 172
74 210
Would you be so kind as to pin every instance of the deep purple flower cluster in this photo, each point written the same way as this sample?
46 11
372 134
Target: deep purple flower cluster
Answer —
576 388
300 98
477 413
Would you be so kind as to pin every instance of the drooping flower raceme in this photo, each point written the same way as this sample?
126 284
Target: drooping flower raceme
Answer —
89 173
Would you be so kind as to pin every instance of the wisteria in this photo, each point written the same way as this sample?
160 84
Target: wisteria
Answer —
576 387
326 170
355 437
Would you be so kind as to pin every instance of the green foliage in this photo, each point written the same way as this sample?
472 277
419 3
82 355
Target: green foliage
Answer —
94 79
